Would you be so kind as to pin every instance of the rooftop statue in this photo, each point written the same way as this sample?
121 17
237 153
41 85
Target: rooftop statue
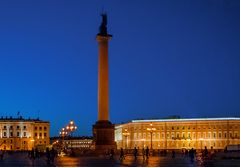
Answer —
103 26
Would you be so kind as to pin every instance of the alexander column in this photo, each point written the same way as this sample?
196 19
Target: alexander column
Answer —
103 130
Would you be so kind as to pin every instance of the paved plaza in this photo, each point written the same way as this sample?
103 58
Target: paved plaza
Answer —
22 160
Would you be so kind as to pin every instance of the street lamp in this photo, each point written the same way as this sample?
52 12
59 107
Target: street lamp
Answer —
71 127
151 129
63 132
125 134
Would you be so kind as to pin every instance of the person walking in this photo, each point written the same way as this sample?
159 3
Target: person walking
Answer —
147 152
121 155
205 152
135 151
173 153
143 153
191 155
48 155
1 154
112 154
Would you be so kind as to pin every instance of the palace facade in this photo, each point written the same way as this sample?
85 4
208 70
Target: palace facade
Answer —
178 133
23 134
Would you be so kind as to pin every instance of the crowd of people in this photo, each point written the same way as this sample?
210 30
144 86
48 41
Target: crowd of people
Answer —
50 154
145 153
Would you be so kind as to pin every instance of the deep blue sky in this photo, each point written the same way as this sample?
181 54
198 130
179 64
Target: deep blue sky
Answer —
166 58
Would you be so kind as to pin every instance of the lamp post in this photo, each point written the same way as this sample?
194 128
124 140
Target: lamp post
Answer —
63 133
151 129
125 134
71 127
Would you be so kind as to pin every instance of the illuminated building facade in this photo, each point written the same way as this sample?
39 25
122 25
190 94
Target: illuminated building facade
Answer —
23 134
178 133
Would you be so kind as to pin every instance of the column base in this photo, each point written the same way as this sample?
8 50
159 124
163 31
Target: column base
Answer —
103 137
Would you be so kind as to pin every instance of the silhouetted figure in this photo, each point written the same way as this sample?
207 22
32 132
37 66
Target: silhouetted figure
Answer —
165 152
112 153
173 153
48 156
211 153
33 154
121 154
191 155
143 153
186 153
1 154
135 151
205 152
36 153
183 153
103 26
147 152
52 155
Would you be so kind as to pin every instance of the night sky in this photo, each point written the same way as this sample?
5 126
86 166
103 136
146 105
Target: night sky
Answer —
166 58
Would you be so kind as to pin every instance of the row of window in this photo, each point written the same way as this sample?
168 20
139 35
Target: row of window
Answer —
40 128
183 144
24 142
188 127
25 127
11 127
41 134
186 135
18 134
184 128
24 134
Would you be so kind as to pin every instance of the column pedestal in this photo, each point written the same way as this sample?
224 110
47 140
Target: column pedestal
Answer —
103 135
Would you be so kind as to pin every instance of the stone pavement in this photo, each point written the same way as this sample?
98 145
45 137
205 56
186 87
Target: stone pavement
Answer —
22 160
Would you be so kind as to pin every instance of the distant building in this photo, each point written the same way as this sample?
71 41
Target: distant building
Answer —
178 133
23 134
80 142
